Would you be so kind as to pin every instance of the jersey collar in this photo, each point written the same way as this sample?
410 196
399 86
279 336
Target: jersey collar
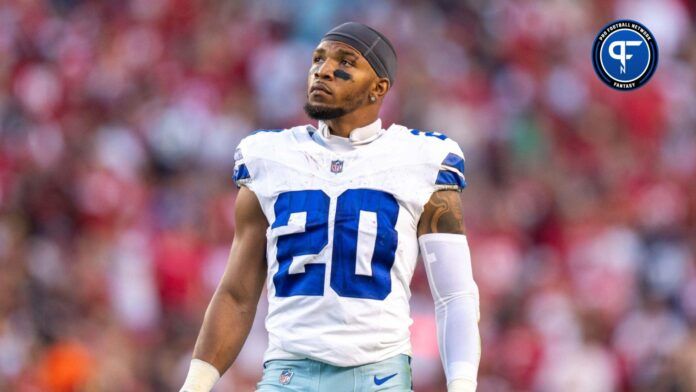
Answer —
357 136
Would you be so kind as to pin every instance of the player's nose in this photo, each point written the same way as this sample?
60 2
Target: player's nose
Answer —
324 71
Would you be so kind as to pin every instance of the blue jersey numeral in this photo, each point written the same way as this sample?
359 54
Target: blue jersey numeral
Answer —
301 240
364 243
347 234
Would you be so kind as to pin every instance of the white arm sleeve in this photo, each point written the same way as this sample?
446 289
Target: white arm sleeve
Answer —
448 266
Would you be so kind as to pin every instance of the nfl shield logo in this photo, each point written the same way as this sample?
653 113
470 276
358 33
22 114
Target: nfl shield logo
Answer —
285 376
336 166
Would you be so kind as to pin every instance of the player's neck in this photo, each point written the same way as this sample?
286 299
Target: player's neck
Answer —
344 125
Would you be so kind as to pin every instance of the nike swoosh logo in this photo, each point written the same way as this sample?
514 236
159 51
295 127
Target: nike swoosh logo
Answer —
380 381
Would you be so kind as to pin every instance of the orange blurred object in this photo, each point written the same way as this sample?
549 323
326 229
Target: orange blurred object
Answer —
65 367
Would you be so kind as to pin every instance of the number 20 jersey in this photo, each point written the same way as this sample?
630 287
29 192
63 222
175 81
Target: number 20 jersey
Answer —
341 241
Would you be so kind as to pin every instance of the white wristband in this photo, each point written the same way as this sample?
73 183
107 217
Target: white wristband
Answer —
461 385
201 377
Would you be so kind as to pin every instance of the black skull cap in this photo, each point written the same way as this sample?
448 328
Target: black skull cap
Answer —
372 44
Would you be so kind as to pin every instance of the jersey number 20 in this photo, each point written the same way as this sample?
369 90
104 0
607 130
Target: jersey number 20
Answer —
364 243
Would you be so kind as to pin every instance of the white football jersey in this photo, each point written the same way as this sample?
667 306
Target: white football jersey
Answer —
342 243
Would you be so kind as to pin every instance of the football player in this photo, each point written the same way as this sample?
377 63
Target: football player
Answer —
331 219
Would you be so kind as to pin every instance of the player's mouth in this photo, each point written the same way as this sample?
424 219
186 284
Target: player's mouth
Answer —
320 88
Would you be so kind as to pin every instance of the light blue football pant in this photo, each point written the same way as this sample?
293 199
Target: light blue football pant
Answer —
306 375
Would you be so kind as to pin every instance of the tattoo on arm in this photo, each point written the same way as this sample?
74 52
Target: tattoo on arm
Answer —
442 214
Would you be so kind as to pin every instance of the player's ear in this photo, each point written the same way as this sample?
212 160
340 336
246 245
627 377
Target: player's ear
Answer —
380 87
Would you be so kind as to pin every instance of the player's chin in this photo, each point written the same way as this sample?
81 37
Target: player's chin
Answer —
322 111
321 102
319 105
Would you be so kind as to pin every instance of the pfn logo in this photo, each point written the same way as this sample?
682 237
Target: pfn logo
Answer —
621 55
624 54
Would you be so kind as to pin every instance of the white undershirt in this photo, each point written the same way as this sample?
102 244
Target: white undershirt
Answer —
357 137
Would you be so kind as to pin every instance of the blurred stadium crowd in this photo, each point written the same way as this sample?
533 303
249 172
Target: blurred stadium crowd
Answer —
118 122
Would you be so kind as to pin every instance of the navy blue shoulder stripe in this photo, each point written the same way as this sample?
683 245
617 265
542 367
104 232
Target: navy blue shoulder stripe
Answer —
438 135
455 161
445 177
240 173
